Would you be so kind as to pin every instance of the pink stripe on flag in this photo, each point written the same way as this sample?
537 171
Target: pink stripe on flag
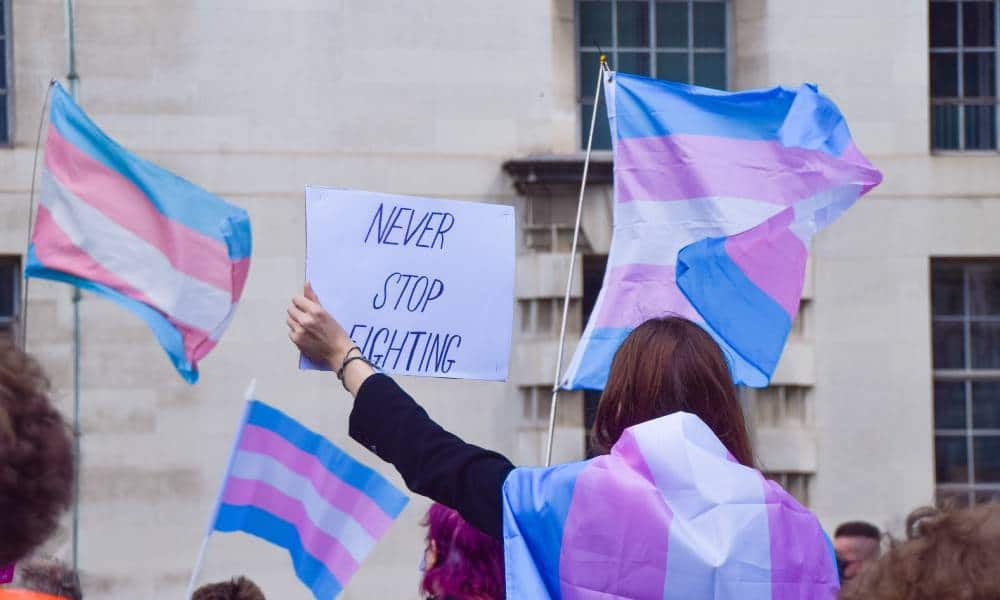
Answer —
241 268
118 199
683 166
343 496
773 258
58 252
636 293
322 547
802 565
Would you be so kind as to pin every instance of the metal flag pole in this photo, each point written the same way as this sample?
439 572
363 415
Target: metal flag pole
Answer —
572 264
73 77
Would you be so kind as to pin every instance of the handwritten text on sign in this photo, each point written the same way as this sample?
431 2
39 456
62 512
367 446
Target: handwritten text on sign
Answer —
423 286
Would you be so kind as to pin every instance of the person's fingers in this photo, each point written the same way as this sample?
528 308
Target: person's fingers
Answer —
293 325
307 291
306 305
298 315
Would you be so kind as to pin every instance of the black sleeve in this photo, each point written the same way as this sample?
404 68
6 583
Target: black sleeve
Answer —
432 461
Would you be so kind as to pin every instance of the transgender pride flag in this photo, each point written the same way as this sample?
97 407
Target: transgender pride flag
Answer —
295 489
717 196
668 514
119 226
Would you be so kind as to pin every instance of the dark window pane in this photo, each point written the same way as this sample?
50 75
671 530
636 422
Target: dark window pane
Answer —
986 405
709 25
944 127
944 75
951 459
949 405
633 23
3 62
710 70
3 18
980 127
987 496
672 66
944 24
986 449
672 24
602 131
979 70
984 290
636 63
946 290
949 346
590 64
595 24
952 499
3 119
977 24
8 288
985 345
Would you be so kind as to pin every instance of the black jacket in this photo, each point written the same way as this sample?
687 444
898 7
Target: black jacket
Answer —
432 461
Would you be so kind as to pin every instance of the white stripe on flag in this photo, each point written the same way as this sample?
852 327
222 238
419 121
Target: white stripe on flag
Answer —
135 261
334 522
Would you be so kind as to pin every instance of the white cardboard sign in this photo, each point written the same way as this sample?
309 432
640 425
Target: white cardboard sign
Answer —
423 286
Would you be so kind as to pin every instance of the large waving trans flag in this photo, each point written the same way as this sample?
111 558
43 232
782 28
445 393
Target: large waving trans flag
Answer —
717 196
121 227
667 514
292 487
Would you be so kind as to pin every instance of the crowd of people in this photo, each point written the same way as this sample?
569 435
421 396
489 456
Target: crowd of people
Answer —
666 365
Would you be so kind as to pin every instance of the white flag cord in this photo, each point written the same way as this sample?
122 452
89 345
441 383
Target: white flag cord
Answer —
248 396
572 265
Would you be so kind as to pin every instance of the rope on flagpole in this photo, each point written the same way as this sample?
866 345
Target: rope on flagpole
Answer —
248 396
31 216
572 265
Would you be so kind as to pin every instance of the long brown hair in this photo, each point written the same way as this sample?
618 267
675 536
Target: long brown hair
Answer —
664 366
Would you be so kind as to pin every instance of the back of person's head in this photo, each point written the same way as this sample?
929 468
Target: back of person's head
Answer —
949 554
856 543
36 457
858 529
48 576
467 563
664 366
237 588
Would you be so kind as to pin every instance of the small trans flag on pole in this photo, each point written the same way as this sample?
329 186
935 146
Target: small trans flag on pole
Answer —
292 487
717 196
114 224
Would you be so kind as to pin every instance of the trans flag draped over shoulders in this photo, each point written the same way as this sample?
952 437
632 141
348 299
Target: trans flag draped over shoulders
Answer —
717 196
668 514
120 226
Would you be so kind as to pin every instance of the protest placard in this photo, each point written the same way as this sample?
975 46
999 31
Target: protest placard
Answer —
423 286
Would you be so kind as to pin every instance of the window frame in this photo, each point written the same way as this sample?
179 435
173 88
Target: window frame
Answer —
961 101
5 38
651 48
968 376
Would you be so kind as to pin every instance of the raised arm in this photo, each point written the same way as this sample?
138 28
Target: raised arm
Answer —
387 421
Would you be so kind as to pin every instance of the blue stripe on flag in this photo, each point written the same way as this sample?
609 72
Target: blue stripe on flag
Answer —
176 198
601 346
745 317
263 524
534 500
342 466
801 118
168 335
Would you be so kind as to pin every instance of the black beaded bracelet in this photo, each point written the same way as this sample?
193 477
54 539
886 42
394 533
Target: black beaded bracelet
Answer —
348 358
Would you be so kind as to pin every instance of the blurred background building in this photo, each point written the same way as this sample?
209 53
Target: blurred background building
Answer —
887 397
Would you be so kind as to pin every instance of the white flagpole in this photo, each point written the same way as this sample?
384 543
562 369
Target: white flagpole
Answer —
248 396
572 265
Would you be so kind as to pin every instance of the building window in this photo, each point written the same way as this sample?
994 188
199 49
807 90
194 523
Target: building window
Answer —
794 482
964 47
679 40
965 299
10 299
780 406
543 316
549 224
5 71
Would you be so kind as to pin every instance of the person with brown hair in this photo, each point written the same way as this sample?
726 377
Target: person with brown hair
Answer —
856 543
666 367
237 588
948 554
36 457
44 579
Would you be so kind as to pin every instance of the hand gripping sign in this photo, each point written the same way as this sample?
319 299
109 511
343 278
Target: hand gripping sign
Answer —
423 286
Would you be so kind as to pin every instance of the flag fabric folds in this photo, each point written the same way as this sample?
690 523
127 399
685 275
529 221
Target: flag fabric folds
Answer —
717 196
119 226
667 514
293 488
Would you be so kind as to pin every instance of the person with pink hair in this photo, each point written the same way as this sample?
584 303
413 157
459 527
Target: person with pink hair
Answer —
460 562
